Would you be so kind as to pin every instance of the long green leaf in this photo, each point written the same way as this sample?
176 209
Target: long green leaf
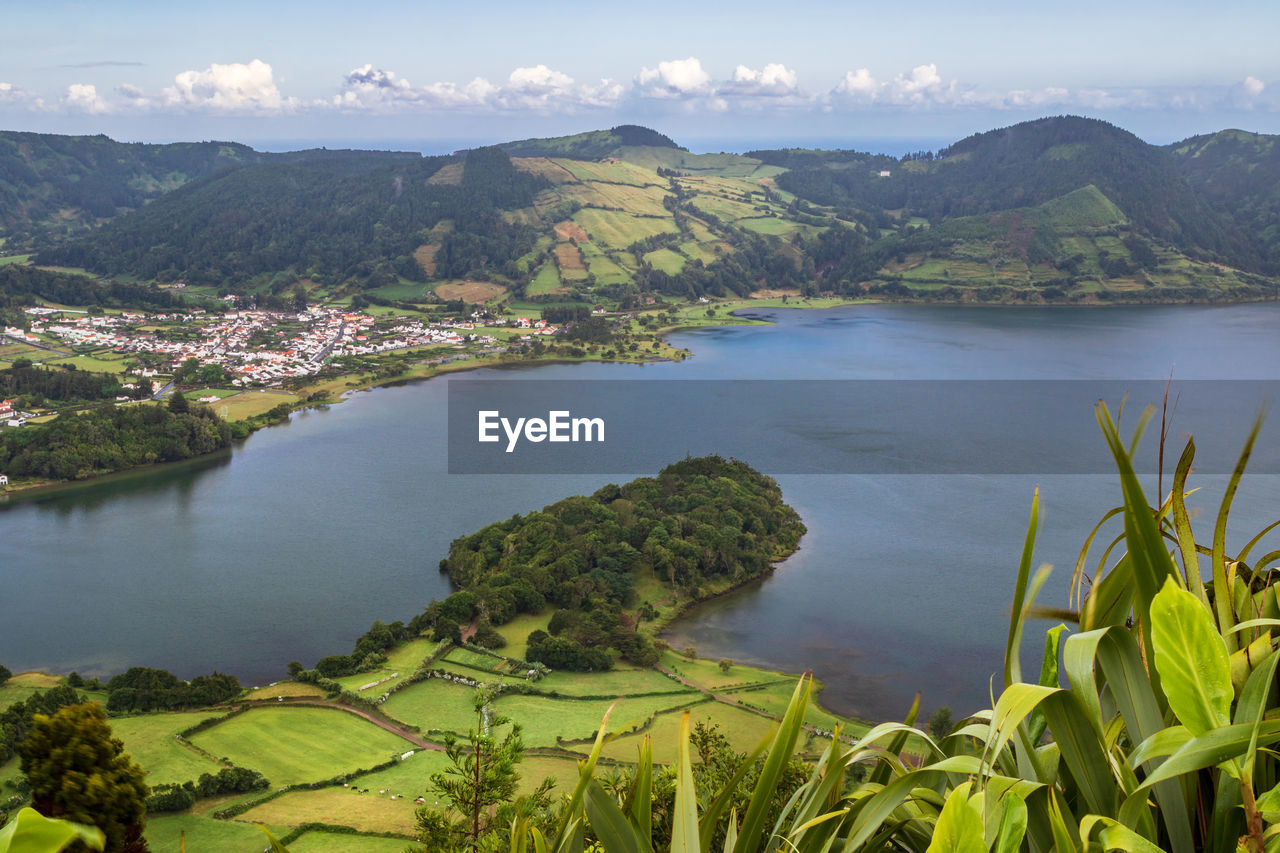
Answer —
1221 587
1149 562
1012 666
609 823
640 796
684 821
784 744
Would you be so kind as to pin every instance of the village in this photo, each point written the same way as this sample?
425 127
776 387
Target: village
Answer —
257 348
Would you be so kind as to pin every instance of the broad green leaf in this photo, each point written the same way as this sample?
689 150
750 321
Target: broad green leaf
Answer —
1115 836
959 828
273 843
31 832
1191 659
1269 805
1013 824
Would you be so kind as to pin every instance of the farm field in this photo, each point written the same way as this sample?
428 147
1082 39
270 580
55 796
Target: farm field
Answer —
292 745
470 291
546 722
206 834
401 664
434 706
338 842
619 230
246 404
150 739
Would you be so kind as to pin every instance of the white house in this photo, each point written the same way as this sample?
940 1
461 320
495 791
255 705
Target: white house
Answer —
4 479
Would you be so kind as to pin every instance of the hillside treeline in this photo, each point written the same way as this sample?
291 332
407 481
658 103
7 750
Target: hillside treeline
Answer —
111 438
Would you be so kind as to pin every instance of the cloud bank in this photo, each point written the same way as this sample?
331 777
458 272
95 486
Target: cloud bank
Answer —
251 88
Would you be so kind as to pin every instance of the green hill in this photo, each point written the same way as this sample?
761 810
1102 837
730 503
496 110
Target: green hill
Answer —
1059 209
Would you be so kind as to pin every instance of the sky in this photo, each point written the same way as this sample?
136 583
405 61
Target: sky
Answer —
714 76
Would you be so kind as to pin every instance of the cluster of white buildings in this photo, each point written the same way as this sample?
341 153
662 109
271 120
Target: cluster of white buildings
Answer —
235 340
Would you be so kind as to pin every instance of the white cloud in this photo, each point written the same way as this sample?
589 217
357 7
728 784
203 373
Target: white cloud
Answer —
235 87
677 78
859 85
1253 86
536 87
775 80
920 85
84 97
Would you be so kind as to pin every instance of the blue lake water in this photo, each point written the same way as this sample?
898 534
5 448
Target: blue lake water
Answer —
288 547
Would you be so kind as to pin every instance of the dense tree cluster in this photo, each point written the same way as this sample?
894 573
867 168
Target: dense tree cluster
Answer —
15 721
78 771
699 520
145 689
23 285
35 385
111 438
228 780
226 228
55 186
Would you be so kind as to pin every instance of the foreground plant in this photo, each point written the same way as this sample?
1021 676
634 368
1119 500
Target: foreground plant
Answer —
1161 737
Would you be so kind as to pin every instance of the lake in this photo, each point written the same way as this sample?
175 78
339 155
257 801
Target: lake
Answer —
291 545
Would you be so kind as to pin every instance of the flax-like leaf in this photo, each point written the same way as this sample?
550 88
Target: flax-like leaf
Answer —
608 822
1012 667
684 821
784 744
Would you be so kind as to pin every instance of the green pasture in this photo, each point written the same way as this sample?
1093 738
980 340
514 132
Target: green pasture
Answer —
369 812
616 172
620 681
620 230
24 685
402 662
150 739
772 226
285 688
546 721
704 252
87 362
666 260
5 260
603 267
706 673
743 729
292 745
246 404
434 705
517 631
404 291
203 834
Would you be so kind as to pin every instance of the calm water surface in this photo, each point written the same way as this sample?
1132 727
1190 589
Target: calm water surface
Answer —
290 546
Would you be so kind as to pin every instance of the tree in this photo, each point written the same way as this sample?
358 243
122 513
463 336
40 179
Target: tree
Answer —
940 723
77 770
725 664
5 674
178 403
483 775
